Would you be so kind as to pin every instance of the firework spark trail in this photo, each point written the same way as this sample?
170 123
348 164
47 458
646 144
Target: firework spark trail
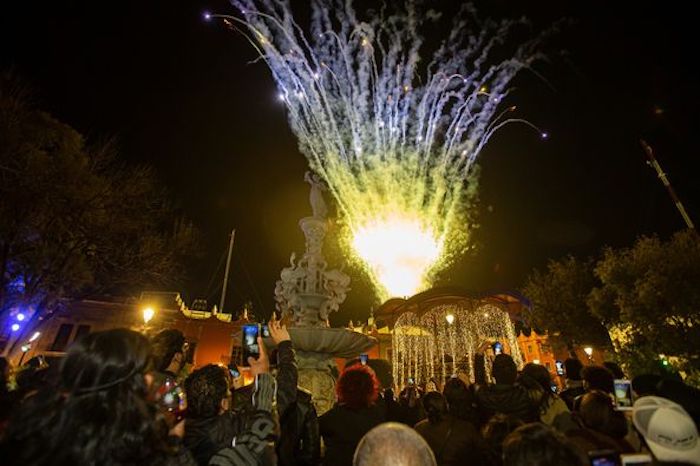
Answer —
395 142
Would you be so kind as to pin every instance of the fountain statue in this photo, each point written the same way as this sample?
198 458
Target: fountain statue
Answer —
306 294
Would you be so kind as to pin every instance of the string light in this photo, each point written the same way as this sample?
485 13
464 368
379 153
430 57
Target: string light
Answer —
446 339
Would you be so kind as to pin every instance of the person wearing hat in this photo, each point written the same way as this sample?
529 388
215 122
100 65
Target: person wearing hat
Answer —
668 431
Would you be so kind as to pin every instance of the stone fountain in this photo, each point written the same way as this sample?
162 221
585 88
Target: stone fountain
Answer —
306 294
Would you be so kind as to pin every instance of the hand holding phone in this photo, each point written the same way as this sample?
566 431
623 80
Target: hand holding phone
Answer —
497 348
261 365
560 367
623 395
170 399
249 345
233 371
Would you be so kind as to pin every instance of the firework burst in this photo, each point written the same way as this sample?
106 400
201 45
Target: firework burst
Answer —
394 137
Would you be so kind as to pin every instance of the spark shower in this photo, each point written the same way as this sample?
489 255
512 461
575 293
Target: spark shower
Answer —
394 137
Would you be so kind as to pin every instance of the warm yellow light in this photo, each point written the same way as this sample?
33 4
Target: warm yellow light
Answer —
399 250
588 350
148 314
450 318
535 361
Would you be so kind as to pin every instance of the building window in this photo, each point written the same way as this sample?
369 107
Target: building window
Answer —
529 349
62 337
548 366
82 330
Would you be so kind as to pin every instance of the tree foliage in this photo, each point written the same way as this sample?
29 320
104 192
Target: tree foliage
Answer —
73 220
650 294
559 295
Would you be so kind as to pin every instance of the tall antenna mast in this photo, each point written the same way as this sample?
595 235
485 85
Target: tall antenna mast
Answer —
228 266
664 179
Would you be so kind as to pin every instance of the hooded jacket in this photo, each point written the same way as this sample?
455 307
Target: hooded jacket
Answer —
511 400
236 438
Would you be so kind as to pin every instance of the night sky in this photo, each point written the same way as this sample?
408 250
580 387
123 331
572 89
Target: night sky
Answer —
179 94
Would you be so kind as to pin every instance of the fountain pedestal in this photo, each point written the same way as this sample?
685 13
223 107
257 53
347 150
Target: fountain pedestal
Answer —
306 293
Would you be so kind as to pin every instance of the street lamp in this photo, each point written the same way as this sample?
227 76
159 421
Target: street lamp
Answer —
148 314
588 350
450 318
34 337
25 349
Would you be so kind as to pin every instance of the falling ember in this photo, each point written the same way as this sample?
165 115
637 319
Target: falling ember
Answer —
393 134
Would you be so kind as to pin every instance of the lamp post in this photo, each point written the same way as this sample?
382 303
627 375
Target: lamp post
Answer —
25 350
589 352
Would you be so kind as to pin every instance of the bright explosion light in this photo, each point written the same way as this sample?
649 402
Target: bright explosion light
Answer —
399 251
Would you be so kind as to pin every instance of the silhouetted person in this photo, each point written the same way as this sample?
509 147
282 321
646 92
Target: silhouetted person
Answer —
461 401
169 348
615 369
352 417
505 396
645 385
452 440
99 414
299 442
538 445
685 395
574 382
598 378
601 426
494 433
210 424
552 409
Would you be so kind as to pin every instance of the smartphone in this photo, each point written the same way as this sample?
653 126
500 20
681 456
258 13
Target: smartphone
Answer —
170 398
560 367
498 348
250 333
233 370
265 330
363 359
623 394
636 459
604 458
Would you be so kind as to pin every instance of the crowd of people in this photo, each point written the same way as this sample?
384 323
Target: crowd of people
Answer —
120 398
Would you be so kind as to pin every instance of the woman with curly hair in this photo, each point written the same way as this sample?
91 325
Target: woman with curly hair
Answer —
354 414
98 414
